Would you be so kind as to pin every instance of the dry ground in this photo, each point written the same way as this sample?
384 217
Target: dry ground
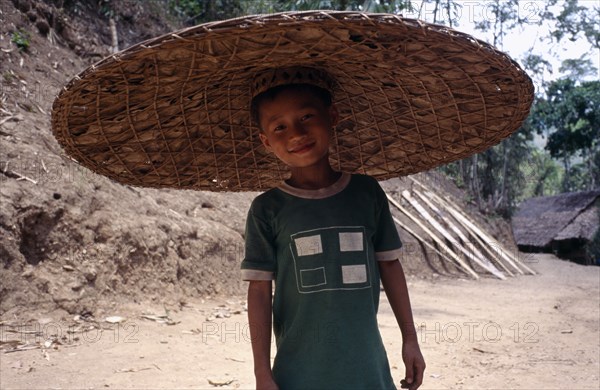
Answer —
529 332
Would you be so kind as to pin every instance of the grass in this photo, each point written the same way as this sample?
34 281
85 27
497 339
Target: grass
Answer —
21 38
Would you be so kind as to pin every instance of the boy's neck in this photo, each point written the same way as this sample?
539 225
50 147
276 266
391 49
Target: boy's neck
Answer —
313 178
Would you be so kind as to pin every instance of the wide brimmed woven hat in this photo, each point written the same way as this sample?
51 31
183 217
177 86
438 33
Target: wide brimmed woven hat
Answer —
174 111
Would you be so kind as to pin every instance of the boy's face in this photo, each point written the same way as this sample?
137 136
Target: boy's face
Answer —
296 127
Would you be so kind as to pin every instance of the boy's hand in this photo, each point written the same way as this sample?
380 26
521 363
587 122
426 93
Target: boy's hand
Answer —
414 363
394 283
266 382
259 319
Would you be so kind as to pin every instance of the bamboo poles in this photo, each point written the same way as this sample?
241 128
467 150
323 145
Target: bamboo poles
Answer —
459 233
440 242
477 231
421 239
484 250
425 214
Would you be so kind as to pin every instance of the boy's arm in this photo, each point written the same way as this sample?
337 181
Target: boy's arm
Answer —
259 318
394 284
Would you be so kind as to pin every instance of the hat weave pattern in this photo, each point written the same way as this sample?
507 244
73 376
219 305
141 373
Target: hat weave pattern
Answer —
276 77
174 111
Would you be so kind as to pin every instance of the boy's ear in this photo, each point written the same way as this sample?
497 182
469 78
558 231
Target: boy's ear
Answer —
265 141
334 114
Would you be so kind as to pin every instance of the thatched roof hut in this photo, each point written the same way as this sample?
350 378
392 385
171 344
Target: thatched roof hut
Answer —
563 224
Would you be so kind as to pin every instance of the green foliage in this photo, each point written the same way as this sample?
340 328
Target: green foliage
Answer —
573 111
569 114
568 110
507 171
453 170
577 180
105 8
22 39
536 67
389 6
578 68
200 11
497 179
543 176
575 20
8 77
506 17
383 6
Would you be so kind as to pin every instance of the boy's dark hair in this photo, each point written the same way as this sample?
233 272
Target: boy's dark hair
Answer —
271 94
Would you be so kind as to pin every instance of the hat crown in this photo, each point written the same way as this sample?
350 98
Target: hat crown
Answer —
275 77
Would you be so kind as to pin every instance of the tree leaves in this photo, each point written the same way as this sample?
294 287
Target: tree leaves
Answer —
569 114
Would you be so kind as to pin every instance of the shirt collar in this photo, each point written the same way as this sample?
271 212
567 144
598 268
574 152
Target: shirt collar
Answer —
321 193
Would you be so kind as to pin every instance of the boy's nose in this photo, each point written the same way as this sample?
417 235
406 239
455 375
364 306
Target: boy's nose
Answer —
298 131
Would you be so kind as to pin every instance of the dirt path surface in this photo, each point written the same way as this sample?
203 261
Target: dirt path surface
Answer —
529 332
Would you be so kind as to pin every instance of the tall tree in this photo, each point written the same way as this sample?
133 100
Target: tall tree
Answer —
578 68
543 175
569 114
576 20
500 16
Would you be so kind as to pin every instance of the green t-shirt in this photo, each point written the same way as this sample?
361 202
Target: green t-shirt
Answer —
321 249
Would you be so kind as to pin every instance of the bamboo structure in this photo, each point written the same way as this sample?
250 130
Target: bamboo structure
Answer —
458 232
440 242
502 252
458 236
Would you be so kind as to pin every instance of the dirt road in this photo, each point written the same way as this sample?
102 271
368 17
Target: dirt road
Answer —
529 332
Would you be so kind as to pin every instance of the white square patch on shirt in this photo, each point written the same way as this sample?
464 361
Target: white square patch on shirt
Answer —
351 242
354 273
310 245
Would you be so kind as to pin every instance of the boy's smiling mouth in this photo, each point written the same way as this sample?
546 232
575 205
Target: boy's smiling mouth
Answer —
302 148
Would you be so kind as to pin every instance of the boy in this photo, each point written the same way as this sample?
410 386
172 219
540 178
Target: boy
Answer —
326 238
172 112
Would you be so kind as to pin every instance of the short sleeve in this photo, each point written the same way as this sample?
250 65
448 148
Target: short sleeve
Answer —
386 241
259 259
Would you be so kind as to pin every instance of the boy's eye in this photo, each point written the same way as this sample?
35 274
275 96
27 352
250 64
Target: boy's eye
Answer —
307 116
279 128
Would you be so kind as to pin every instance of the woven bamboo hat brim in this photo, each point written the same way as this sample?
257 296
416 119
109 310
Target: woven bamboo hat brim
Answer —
175 111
